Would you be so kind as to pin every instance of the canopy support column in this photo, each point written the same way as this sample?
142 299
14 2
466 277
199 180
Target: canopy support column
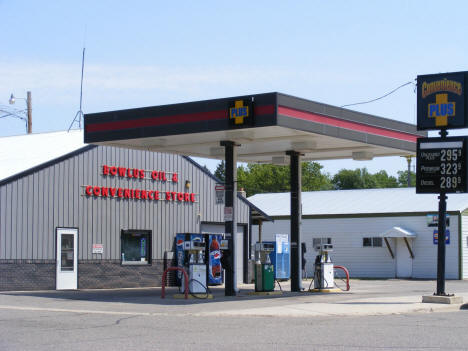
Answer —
230 224
296 215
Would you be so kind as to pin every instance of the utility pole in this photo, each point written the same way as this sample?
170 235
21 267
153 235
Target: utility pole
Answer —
408 177
29 108
28 118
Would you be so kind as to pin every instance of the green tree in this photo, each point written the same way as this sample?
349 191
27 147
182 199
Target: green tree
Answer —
220 171
313 178
383 180
359 178
403 179
263 178
267 178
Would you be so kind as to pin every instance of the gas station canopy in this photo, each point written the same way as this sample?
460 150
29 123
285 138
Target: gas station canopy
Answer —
260 128
265 126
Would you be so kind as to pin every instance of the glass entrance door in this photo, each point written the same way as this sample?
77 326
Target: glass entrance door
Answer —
67 258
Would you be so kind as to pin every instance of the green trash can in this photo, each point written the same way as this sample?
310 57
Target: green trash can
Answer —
264 277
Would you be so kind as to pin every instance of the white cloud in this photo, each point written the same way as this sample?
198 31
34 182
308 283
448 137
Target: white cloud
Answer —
121 77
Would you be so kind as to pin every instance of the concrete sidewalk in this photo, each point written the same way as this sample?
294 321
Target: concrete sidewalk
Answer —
366 297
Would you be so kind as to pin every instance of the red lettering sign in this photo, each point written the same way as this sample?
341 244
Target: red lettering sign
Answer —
125 172
103 191
96 191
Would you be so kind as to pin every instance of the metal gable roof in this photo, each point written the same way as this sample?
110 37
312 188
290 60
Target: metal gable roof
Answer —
24 152
354 202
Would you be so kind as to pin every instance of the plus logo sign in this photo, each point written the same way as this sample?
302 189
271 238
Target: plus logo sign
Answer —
239 112
441 110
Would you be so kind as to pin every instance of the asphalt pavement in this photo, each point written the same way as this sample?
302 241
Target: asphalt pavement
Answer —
365 298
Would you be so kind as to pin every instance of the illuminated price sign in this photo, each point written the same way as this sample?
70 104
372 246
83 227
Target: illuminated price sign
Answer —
441 165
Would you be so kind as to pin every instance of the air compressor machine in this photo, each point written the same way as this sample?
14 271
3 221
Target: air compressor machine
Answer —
323 275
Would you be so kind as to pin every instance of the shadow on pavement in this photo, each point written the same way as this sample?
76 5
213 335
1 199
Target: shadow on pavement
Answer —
146 296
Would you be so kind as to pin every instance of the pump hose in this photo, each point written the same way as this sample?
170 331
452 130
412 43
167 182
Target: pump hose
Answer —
277 281
313 279
195 295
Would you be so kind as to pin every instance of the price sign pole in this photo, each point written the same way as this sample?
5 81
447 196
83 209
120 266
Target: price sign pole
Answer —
441 235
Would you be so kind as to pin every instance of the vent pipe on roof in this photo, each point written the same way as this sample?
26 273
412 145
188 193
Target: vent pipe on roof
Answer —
242 192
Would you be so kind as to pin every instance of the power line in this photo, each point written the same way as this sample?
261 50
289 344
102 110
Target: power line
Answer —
381 97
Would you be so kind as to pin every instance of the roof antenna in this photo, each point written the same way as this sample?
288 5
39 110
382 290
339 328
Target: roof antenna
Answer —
79 114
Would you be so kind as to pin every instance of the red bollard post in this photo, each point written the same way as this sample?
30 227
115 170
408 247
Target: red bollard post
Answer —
163 285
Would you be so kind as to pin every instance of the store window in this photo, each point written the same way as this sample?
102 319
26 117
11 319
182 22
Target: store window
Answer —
372 242
136 247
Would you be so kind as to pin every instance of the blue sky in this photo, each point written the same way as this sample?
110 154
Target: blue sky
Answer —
144 53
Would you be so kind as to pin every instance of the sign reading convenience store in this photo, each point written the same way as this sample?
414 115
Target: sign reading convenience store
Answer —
441 101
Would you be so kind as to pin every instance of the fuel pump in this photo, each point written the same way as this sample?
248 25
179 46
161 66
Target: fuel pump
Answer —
195 267
323 275
264 270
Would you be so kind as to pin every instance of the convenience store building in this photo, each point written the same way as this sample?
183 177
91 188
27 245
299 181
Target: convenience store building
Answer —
83 216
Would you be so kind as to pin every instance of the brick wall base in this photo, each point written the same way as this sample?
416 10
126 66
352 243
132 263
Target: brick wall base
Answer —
111 274
98 274
27 275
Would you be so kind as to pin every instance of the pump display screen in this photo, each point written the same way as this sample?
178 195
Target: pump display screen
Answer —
441 165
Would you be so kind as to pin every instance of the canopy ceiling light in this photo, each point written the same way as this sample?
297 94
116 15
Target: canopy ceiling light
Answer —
304 145
362 156
280 160
217 151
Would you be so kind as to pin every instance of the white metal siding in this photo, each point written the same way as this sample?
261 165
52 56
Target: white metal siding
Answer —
32 207
464 245
347 234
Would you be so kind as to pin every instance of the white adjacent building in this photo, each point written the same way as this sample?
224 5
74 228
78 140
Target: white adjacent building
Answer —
376 233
